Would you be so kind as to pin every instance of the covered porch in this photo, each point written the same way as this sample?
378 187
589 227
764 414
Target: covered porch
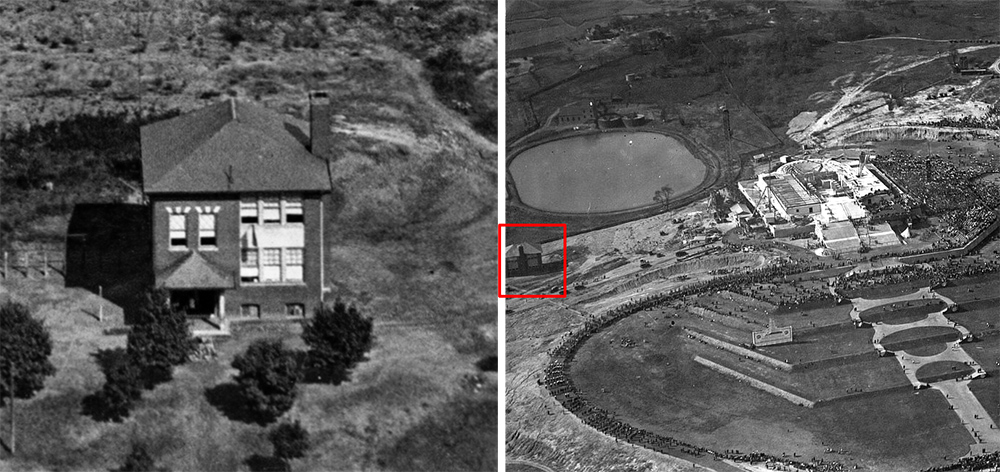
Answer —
199 288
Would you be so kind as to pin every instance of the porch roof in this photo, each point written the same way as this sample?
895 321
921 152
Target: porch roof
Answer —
194 272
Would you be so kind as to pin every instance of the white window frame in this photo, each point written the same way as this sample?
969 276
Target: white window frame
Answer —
250 210
175 233
267 207
207 223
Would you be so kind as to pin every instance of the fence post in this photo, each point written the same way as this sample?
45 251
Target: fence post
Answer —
45 264
100 309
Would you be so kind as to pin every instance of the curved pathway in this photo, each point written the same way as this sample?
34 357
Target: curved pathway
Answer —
965 404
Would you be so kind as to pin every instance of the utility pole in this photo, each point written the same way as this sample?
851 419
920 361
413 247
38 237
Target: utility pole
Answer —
10 390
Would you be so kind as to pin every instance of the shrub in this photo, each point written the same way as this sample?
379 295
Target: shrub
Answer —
290 440
338 337
160 339
122 387
25 344
267 379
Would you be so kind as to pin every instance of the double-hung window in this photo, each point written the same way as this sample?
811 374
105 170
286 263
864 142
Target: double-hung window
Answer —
293 212
248 212
178 231
272 212
293 264
270 265
206 230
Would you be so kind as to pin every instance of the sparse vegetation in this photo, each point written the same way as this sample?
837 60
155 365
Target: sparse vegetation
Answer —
139 460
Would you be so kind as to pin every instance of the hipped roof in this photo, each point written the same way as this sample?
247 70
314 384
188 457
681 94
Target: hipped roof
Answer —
228 147
194 272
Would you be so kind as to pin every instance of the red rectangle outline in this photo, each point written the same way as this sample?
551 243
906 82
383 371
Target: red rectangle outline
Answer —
500 259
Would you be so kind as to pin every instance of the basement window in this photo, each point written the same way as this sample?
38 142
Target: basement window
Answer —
250 311
295 309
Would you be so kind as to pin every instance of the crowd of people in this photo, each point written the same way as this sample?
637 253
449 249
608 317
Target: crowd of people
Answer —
989 461
948 190
748 283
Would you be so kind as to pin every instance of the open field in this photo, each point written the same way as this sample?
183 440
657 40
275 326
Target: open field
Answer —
643 386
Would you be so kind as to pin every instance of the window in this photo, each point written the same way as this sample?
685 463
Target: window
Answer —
272 212
293 212
248 258
248 212
295 309
250 311
532 262
178 231
293 264
206 230
271 269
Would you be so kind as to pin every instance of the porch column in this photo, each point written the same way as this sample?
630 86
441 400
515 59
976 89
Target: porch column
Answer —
222 306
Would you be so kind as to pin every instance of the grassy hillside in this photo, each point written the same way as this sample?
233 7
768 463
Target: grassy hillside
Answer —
410 224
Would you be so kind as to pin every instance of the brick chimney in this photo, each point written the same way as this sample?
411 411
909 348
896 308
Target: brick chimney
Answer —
319 125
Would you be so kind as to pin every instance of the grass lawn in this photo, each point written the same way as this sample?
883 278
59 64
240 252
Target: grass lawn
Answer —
815 346
902 340
902 312
657 386
417 403
937 371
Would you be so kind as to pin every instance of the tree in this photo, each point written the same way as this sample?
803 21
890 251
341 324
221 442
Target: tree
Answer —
159 339
267 379
662 196
122 387
290 440
338 337
25 345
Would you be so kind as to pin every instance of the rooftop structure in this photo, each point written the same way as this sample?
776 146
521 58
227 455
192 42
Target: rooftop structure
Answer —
832 193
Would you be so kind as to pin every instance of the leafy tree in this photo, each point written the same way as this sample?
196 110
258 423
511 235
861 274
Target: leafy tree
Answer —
122 387
338 337
267 379
290 440
26 345
159 339
662 196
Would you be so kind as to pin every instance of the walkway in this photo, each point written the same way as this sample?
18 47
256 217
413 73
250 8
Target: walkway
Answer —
965 404
974 417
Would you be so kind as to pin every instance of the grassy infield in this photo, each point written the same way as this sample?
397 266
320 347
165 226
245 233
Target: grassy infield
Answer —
885 425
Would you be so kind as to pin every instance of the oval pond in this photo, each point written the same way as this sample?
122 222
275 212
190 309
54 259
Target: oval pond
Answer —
604 172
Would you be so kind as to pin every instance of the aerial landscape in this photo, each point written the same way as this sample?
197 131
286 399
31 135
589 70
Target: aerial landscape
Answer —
248 235
781 224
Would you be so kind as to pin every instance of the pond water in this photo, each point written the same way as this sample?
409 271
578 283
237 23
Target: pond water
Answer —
604 172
